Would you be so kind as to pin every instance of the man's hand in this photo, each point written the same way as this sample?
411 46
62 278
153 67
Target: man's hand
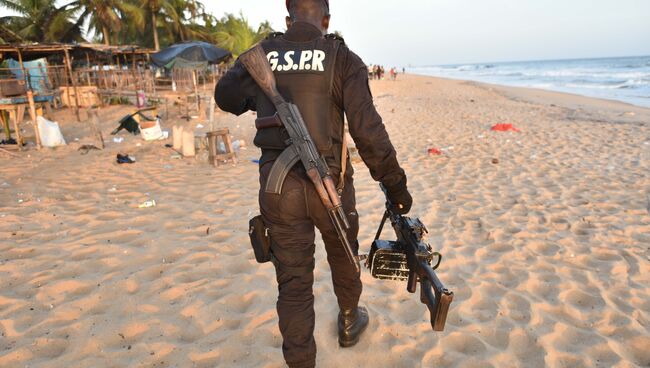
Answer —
399 197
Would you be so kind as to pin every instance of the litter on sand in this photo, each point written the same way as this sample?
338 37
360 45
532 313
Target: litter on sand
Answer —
125 159
50 133
148 204
434 152
87 148
504 128
118 140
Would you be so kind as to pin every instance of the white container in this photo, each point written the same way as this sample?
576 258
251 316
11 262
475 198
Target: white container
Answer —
151 133
50 133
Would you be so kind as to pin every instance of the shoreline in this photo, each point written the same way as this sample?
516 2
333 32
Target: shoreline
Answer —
588 107
506 87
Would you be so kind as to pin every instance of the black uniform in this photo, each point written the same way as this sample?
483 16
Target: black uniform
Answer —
325 80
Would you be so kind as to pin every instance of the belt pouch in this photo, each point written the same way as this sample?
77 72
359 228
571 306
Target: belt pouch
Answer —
260 239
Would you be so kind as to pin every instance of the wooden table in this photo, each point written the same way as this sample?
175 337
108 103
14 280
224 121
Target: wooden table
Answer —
16 107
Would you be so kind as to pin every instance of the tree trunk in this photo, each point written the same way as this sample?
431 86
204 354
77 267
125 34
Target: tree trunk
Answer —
155 31
107 37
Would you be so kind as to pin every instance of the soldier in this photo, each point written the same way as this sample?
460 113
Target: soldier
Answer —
319 74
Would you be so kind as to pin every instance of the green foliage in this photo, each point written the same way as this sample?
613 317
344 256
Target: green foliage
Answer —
41 21
234 34
148 23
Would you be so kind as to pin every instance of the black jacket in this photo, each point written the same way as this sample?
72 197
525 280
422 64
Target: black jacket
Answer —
236 93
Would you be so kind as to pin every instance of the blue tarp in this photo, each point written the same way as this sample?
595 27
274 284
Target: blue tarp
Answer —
37 72
190 55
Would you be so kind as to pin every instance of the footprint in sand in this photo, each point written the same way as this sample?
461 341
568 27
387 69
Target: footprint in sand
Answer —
523 344
464 343
516 308
543 247
603 355
208 359
582 300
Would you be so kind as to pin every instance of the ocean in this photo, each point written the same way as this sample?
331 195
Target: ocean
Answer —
624 79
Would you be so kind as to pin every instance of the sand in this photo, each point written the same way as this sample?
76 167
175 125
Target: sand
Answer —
545 235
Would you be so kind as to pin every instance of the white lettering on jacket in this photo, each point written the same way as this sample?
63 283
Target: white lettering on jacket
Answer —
297 60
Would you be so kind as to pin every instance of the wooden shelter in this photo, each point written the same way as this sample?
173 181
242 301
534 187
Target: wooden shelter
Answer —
83 75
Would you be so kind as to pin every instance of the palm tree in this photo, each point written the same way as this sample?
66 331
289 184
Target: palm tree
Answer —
236 35
184 22
41 21
154 8
9 36
105 15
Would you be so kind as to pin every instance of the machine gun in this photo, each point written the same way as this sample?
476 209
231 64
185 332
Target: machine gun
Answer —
410 259
301 148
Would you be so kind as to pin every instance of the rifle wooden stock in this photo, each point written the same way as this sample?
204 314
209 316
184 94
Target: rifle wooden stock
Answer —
315 178
258 67
336 200
436 297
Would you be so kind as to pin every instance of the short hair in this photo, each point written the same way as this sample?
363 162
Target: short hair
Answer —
308 10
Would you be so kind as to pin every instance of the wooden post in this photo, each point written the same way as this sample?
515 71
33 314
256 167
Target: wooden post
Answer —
22 68
196 92
135 80
5 124
30 100
211 114
74 84
94 124
13 116
88 68
32 113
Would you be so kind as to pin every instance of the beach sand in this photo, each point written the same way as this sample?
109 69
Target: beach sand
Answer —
545 235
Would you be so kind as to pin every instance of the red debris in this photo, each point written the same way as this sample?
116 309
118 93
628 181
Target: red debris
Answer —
504 128
435 151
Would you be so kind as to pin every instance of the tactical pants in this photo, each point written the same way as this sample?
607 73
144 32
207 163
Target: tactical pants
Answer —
291 217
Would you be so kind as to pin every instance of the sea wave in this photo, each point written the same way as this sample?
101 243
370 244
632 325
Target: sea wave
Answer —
616 78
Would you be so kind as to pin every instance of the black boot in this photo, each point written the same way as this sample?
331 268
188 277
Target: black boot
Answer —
352 323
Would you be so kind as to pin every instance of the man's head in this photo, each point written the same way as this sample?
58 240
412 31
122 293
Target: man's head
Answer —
316 12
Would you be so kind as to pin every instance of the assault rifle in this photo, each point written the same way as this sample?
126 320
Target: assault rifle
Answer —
410 259
301 148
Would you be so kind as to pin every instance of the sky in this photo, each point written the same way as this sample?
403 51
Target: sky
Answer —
438 32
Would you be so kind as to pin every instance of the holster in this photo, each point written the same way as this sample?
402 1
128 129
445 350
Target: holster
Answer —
260 239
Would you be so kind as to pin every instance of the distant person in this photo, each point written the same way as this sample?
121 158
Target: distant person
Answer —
335 85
